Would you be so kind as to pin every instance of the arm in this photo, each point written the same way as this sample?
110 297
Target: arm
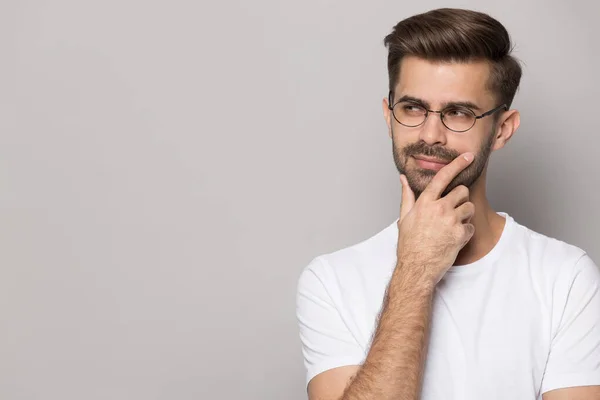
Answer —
431 233
394 367
574 393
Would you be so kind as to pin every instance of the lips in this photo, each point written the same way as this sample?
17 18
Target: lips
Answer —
430 163
432 160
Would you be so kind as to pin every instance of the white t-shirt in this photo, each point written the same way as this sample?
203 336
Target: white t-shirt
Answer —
523 320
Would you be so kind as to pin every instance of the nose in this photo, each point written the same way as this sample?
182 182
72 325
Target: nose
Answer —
433 130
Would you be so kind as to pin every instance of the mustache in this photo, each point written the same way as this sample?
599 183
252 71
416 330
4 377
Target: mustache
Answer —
423 149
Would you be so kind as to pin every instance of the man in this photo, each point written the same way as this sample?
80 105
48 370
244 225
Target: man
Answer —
453 300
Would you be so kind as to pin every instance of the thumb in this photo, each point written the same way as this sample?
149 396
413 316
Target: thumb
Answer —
408 198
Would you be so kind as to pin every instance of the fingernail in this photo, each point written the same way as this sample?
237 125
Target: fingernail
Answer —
469 156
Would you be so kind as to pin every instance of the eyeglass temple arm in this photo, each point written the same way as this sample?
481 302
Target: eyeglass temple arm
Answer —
493 111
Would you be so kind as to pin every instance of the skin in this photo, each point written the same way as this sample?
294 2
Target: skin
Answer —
437 84
445 219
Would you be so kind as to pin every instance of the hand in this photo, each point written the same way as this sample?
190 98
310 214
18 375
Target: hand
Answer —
432 230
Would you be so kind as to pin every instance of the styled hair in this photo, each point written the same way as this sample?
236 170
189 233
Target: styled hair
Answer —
456 35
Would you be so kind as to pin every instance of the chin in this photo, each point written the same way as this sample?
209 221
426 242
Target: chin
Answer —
419 179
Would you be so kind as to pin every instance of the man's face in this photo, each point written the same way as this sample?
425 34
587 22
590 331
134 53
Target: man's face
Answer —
419 152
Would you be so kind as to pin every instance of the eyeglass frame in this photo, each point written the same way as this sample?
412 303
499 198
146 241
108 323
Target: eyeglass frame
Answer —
441 112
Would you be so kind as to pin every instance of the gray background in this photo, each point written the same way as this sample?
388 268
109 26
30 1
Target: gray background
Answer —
168 168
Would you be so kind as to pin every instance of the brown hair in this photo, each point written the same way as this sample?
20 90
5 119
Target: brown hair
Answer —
456 35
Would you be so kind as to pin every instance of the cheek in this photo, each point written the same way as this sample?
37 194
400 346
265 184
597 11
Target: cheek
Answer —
465 143
399 141
402 136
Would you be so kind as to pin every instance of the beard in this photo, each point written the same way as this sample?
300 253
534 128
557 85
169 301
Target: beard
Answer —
419 178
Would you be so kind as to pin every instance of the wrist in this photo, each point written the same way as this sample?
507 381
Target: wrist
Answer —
413 276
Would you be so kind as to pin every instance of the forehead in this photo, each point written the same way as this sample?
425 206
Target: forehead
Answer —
439 82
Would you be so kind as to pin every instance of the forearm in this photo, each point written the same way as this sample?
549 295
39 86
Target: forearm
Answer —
393 368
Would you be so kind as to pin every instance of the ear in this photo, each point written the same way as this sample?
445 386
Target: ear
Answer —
387 115
507 126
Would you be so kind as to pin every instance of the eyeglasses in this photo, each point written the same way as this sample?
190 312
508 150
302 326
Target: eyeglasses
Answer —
455 118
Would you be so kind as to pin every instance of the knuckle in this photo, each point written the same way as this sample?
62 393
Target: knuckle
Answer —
469 230
439 208
452 219
463 232
460 191
470 207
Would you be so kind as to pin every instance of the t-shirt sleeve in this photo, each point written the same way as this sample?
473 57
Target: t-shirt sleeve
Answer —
326 340
574 358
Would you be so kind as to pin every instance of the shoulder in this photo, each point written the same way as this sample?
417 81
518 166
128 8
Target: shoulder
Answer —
358 266
553 265
553 255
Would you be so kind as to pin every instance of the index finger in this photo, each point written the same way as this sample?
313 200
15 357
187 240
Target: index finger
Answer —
444 176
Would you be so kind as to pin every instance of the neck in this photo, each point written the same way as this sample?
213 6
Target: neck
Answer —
488 226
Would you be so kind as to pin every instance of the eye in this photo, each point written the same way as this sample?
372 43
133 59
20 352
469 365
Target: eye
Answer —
458 113
413 108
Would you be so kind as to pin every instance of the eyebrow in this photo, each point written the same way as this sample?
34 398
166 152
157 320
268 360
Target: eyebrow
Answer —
467 104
